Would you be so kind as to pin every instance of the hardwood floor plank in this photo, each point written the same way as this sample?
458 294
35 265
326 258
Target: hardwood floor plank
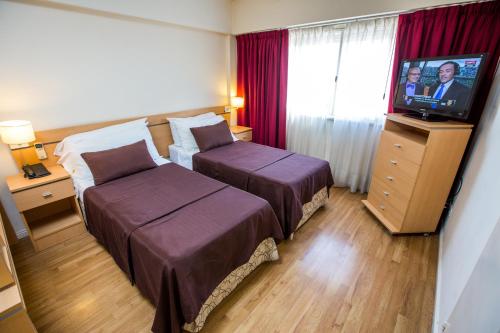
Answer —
343 272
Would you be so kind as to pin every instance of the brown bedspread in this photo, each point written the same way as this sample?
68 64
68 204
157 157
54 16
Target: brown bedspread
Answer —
286 180
172 231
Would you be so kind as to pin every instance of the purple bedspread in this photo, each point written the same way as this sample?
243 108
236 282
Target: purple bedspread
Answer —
174 234
286 180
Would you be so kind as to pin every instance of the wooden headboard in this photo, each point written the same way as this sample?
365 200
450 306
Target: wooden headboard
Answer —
158 126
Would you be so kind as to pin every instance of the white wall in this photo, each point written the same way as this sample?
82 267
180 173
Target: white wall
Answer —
473 217
60 66
206 14
478 307
254 15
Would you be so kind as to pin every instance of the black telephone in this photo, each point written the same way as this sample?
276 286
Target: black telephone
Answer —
35 171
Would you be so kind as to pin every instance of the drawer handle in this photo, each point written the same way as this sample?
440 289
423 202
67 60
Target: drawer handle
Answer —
394 162
386 193
382 207
390 178
398 145
46 195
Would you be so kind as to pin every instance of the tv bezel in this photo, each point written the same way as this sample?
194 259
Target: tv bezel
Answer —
443 113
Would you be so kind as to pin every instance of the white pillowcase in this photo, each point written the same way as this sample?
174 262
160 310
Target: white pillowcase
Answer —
181 129
174 125
70 149
109 137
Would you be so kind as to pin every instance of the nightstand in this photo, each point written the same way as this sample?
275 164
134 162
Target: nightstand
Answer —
242 133
48 207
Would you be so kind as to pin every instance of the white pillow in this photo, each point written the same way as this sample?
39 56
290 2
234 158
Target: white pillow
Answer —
175 121
109 137
74 164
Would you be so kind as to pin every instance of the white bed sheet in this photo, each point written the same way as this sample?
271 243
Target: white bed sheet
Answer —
181 156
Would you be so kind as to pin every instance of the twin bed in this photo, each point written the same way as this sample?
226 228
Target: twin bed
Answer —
172 230
179 249
294 185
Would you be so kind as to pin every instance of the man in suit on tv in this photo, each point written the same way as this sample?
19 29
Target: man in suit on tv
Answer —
448 88
411 87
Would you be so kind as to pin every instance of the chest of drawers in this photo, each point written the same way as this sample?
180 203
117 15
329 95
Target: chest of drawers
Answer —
413 171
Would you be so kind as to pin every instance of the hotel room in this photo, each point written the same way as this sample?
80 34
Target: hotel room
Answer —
249 166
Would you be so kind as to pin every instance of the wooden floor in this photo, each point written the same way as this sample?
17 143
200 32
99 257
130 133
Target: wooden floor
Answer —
342 273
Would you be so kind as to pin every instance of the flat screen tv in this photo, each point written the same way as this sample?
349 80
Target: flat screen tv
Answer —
440 86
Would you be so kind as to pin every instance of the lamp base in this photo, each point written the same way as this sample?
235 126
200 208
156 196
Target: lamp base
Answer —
19 146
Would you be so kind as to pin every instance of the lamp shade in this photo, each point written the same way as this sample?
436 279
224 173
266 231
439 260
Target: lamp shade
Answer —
16 132
237 102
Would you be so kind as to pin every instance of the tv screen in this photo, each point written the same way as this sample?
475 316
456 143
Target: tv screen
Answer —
443 86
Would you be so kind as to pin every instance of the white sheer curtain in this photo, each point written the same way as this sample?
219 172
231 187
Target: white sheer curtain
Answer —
337 78
313 56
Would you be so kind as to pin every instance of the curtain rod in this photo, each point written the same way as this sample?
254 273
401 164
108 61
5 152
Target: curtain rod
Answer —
365 17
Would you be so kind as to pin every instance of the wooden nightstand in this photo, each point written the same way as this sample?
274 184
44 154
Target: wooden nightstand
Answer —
242 133
48 206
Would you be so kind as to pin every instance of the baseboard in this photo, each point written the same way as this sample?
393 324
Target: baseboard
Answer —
436 325
22 233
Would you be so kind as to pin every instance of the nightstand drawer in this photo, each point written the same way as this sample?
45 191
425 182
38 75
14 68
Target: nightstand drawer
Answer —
245 136
44 194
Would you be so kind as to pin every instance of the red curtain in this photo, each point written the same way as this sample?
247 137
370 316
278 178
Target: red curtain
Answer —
262 81
454 30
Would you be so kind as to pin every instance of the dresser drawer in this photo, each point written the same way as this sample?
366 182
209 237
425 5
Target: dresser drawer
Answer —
41 195
400 176
391 195
384 207
397 166
244 136
400 146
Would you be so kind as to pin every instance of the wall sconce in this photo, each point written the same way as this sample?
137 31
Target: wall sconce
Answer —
17 133
236 103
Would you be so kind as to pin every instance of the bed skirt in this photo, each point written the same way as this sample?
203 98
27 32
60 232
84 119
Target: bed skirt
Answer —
309 208
266 251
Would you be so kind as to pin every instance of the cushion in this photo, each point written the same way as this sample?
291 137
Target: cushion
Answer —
212 136
115 163
187 138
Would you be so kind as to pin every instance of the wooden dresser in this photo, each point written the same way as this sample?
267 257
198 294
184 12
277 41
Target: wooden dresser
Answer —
413 171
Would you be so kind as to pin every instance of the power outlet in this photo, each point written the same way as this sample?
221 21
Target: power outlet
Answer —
445 327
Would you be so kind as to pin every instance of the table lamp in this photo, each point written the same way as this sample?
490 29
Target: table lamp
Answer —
237 102
17 133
